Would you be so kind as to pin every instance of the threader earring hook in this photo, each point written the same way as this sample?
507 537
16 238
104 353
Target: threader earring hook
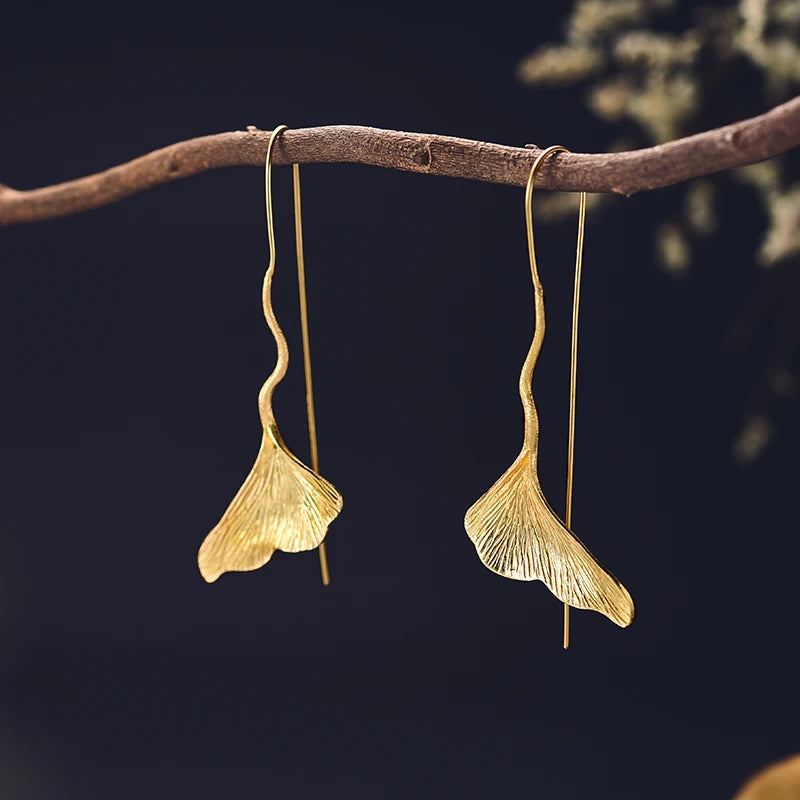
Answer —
573 371
514 529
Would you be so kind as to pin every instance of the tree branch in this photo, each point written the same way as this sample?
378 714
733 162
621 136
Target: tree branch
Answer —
733 145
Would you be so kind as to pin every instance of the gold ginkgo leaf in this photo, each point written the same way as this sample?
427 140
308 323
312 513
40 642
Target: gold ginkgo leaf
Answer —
518 535
282 505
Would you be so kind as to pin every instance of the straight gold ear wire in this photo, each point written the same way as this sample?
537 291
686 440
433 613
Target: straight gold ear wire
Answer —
515 531
573 378
573 371
301 282
282 504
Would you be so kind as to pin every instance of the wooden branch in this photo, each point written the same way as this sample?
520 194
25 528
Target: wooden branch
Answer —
734 145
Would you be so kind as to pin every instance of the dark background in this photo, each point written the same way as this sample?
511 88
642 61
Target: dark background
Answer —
132 348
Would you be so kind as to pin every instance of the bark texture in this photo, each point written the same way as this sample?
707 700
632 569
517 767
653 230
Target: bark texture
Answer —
744 142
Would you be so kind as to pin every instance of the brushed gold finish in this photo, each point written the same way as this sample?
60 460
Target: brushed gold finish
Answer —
301 282
514 529
282 504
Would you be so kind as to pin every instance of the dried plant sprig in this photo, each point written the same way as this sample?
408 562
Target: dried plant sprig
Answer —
698 209
660 80
558 64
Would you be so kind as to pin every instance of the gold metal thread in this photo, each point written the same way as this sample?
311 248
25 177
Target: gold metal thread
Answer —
573 379
514 529
536 346
301 280
265 395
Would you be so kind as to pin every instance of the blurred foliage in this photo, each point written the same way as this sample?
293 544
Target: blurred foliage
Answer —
650 69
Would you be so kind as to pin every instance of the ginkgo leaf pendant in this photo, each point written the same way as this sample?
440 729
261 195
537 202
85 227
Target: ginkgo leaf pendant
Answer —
518 535
515 531
282 505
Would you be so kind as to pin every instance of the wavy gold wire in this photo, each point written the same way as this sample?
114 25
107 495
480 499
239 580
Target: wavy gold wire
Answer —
515 531
282 504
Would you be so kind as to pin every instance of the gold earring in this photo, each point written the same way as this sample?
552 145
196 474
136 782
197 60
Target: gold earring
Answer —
282 504
515 531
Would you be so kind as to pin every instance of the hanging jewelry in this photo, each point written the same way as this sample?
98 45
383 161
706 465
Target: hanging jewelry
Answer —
311 417
282 504
514 529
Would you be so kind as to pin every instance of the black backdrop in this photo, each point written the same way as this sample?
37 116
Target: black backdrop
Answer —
132 350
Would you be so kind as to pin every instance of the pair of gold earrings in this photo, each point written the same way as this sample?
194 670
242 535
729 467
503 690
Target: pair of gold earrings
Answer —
285 505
